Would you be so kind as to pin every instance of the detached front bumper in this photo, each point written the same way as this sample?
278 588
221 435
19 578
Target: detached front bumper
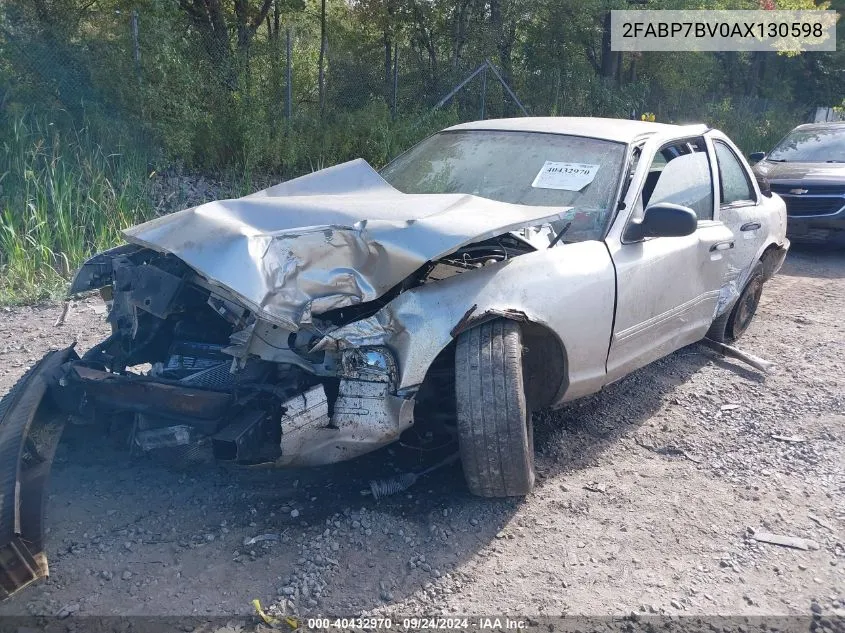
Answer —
333 420
30 428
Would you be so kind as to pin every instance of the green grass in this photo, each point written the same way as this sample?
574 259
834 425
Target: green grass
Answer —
62 197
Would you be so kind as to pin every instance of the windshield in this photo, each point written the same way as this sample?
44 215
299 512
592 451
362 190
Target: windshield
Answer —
815 145
529 168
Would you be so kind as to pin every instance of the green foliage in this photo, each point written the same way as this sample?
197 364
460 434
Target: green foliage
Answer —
752 130
63 197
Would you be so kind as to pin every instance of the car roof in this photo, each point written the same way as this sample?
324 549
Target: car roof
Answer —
824 125
622 130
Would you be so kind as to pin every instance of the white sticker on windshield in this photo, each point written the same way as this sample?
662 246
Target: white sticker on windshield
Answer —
568 176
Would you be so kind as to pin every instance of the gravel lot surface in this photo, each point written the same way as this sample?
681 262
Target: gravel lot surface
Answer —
649 498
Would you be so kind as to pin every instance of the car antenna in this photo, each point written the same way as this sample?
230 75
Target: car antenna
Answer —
560 234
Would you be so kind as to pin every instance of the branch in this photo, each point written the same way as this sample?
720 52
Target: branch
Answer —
265 9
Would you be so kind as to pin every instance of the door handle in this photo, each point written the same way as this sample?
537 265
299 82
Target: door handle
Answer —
722 246
750 226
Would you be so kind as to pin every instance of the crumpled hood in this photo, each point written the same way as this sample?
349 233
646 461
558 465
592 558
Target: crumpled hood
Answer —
336 237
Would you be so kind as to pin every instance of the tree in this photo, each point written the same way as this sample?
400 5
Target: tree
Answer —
212 18
323 45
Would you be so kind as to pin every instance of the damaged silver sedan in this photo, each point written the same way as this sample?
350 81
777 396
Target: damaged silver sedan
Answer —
496 268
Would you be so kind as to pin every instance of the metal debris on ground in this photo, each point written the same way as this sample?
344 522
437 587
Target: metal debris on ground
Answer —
786 541
594 486
61 319
395 485
261 537
727 350
693 458
794 439
818 521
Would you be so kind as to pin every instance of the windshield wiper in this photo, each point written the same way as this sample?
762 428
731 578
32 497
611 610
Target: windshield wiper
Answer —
777 160
835 160
560 235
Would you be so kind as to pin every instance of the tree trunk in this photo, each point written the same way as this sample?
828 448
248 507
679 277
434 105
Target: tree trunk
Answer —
609 58
459 31
424 38
505 38
758 65
388 64
388 37
323 44
209 18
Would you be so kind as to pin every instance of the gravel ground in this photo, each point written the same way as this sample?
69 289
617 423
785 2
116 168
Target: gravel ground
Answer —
649 497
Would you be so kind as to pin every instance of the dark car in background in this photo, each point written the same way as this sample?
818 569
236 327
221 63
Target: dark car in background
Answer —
807 169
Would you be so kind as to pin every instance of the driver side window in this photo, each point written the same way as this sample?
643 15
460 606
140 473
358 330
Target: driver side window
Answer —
680 174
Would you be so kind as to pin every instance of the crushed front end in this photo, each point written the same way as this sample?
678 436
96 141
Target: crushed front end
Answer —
187 373
187 365
259 331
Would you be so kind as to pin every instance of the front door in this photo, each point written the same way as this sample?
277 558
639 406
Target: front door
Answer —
668 287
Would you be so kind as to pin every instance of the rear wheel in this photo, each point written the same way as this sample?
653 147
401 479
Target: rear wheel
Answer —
494 424
733 324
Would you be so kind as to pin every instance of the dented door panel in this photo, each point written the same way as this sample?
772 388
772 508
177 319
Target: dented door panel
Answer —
668 290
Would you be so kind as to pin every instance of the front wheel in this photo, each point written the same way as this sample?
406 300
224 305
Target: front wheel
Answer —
494 424
730 326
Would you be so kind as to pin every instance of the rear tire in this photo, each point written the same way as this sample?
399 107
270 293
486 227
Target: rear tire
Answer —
494 424
732 324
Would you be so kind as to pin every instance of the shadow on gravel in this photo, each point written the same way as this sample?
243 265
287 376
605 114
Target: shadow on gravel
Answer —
574 437
133 535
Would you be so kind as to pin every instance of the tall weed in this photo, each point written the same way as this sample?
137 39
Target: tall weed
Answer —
63 197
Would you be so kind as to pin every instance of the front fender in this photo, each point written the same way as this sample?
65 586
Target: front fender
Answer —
569 289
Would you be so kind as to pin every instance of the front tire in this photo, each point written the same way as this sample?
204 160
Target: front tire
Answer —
494 424
730 326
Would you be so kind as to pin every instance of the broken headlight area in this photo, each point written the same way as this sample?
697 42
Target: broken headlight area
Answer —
364 415
372 364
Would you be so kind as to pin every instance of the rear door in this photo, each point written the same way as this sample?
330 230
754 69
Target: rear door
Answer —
667 287
741 210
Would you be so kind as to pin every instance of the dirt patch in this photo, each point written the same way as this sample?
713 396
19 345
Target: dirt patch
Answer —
649 499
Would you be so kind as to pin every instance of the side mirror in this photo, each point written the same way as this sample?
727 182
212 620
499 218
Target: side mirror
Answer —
663 219
756 157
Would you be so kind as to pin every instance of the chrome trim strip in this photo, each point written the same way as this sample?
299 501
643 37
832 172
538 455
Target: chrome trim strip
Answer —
665 316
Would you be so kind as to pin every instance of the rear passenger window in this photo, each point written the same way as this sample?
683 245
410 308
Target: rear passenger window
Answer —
736 186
